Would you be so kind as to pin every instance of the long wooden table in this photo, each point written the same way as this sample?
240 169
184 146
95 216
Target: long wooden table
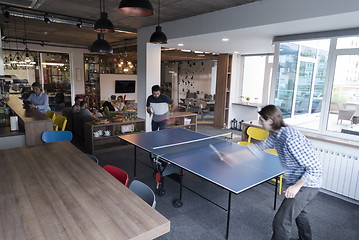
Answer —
31 120
54 191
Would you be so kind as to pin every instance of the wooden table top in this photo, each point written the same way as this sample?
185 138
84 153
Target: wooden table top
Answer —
26 115
54 191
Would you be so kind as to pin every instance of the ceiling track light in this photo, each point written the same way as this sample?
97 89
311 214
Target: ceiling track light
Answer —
103 25
46 18
79 25
158 36
5 12
136 8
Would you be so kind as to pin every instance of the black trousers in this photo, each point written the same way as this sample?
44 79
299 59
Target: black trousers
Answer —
293 209
158 125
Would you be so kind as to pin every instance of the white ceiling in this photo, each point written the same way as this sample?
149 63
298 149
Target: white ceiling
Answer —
258 39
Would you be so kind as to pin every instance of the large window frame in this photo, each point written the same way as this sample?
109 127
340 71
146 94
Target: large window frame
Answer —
329 81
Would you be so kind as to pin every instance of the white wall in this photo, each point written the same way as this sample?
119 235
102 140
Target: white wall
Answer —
194 76
107 86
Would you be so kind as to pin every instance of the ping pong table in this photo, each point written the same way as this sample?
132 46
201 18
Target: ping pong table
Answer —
229 165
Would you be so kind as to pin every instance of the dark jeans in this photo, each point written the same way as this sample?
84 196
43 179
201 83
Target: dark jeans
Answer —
158 125
293 209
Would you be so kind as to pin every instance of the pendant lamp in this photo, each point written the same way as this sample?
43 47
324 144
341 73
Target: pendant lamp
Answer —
137 8
158 36
101 46
28 58
103 25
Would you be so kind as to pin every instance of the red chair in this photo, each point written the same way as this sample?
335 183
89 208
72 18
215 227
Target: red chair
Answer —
118 173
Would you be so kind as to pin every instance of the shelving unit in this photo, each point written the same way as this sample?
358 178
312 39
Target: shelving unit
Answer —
104 143
94 66
223 84
183 120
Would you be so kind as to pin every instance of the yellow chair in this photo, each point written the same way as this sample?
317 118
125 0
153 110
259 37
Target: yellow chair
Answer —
60 123
51 114
255 133
280 181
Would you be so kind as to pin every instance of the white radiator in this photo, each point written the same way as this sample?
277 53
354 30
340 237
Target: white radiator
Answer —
340 172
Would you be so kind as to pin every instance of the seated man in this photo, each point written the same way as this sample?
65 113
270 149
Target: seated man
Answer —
76 107
38 99
84 111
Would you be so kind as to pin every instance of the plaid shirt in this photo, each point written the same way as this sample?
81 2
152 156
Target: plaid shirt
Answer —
297 155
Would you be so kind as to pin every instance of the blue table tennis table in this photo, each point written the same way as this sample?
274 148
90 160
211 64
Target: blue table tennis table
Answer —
224 163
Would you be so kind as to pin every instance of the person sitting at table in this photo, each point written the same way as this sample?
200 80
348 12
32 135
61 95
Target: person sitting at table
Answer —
38 99
76 107
84 111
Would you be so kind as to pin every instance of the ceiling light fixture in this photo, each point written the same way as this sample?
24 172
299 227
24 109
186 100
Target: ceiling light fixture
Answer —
5 12
17 57
79 25
28 56
103 25
47 19
101 46
138 8
158 36
225 39
180 44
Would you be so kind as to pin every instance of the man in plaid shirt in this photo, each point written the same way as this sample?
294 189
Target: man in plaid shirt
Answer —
302 177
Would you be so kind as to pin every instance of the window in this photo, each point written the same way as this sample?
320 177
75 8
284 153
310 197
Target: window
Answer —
256 72
317 85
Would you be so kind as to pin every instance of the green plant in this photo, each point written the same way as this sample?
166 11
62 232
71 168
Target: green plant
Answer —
338 95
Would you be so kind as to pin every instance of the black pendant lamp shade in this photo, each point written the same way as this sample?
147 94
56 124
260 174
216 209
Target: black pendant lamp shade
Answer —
101 46
139 8
158 37
104 24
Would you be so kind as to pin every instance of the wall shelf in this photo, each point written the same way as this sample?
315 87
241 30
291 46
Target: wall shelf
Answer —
97 144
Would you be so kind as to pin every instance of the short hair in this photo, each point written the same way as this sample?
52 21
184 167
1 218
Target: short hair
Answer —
274 113
156 88
82 103
36 84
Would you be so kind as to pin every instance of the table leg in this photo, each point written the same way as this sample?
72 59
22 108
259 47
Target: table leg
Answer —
135 161
228 213
178 203
275 192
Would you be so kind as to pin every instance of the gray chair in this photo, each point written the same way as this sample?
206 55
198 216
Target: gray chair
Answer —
92 157
144 192
344 113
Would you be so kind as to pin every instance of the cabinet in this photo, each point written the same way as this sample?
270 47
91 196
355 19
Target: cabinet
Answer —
183 120
104 143
223 84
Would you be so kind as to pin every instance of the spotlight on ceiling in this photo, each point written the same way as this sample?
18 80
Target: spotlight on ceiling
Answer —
47 19
139 8
79 25
5 12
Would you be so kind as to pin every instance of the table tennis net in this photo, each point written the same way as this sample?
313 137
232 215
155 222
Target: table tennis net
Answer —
162 151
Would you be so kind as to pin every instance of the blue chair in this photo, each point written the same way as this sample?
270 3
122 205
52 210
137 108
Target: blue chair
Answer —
55 136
